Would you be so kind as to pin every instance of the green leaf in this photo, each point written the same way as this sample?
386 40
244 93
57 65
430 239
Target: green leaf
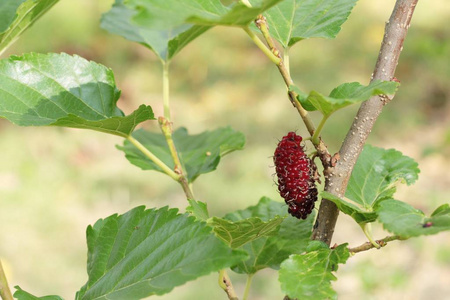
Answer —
17 15
22 295
345 95
149 252
200 153
170 14
359 214
164 42
376 174
239 233
404 220
64 90
294 20
292 236
198 209
309 276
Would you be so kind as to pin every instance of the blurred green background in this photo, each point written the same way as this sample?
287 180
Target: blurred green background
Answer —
54 181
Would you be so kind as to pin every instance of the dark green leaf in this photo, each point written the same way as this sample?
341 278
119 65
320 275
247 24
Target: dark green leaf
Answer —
200 153
404 220
309 276
170 14
149 252
293 20
198 209
239 233
345 95
268 252
359 214
376 174
22 295
165 42
64 90
17 15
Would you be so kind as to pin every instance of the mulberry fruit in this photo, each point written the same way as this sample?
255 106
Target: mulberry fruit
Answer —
295 176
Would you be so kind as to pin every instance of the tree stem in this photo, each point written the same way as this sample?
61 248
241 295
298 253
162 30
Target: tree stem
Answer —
391 47
5 292
166 128
275 59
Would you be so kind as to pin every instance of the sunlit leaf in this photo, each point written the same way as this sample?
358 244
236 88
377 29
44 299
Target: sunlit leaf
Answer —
376 174
17 15
293 20
63 90
309 275
359 214
165 42
198 209
402 219
345 95
149 252
167 14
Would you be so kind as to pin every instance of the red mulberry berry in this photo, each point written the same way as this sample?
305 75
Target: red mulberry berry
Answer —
295 176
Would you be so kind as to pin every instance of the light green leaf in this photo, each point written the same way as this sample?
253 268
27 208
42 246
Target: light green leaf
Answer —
170 14
294 20
268 252
149 252
17 15
23 295
165 42
63 90
309 276
404 220
345 95
376 174
200 153
359 214
239 233
198 209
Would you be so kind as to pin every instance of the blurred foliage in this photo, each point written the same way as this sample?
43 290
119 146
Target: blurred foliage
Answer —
54 182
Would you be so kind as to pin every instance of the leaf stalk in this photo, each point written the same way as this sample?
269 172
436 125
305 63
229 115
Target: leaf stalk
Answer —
5 292
154 158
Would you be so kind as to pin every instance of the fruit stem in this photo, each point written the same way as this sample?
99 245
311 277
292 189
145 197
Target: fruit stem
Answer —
5 292
315 138
247 286
367 229
153 158
166 128
165 80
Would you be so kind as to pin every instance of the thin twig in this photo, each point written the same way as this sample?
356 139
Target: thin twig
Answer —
166 128
225 284
369 245
391 47
5 292
321 148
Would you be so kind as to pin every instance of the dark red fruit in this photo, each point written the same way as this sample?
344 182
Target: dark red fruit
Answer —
295 176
